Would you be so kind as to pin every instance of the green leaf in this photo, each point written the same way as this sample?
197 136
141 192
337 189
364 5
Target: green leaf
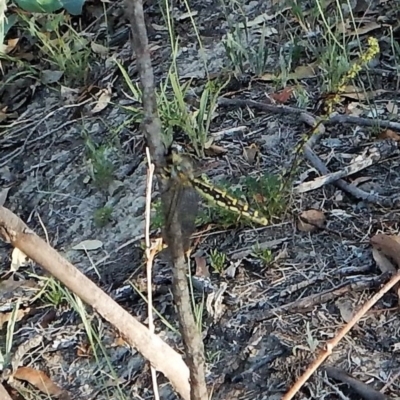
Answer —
40 6
74 7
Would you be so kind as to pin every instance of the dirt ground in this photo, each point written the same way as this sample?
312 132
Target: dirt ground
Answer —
265 335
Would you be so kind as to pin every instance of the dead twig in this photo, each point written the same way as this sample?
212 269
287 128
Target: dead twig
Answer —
151 127
150 253
311 120
362 389
308 302
13 230
334 119
382 150
391 248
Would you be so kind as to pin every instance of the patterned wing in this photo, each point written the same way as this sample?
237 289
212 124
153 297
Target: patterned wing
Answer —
183 202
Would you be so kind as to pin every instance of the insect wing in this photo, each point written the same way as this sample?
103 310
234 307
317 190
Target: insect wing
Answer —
183 203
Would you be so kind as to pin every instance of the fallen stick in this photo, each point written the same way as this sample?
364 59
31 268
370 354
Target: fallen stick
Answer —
13 230
391 248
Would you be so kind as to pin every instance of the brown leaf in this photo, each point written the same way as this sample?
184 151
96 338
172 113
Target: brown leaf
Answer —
99 49
346 309
311 220
11 45
283 96
388 247
368 27
5 317
384 264
301 72
38 379
250 153
389 134
216 150
201 267
103 101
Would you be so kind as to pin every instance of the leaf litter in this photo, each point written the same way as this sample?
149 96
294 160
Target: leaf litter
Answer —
256 357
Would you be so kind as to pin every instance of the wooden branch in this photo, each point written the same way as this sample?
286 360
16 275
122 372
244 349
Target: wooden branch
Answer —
13 230
4 394
391 248
152 130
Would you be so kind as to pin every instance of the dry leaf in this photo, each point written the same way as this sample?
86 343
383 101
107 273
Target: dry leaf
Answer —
387 248
215 150
389 134
283 96
49 76
11 45
18 259
159 27
103 101
370 26
355 93
392 108
5 317
39 380
88 245
384 264
99 49
303 72
315 218
250 153
3 195
186 15
346 309
260 19
201 267
354 108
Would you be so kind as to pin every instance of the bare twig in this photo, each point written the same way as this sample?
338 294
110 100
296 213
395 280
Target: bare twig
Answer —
362 389
382 150
163 357
391 248
151 127
149 264
334 119
308 302
4 394
311 120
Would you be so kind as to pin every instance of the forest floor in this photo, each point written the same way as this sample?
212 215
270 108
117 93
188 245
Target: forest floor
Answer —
73 167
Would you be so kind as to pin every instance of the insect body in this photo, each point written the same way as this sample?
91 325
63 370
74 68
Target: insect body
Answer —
181 170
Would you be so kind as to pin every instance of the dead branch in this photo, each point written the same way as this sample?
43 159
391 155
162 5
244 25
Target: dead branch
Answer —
362 389
151 126
334 119
311 120
380 151
4 394
13 230
391 248
311 301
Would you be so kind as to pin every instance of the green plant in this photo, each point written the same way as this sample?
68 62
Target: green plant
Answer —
52 291
244 55
5 357
61 45
100 167
176 114
217 260
39 6
265 255
102 216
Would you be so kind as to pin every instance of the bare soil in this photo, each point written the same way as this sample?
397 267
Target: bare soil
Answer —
264 336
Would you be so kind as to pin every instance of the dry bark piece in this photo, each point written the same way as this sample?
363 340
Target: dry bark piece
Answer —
311 220
385 249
